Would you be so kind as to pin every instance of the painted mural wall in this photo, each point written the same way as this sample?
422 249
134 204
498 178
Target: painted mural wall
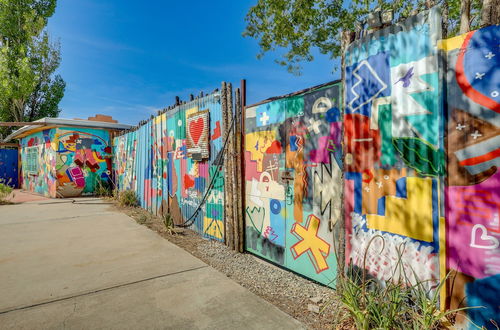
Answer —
38 159
293 162
394 152
66 162
473 183
156 161
83 161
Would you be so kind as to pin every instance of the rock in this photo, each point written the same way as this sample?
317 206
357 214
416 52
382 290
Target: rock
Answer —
313 308
316 300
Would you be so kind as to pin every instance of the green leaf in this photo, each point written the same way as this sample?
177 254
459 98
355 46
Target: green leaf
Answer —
420 155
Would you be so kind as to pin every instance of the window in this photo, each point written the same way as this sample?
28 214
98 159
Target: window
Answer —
31 165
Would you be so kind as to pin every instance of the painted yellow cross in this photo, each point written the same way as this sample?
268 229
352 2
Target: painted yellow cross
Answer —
317 249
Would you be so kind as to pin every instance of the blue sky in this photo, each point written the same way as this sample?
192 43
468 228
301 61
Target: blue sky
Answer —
130 58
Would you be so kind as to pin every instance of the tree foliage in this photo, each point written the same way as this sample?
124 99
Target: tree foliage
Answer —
299 26
29 89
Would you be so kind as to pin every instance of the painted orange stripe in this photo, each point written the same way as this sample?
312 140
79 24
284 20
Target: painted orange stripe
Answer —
466 87
481 159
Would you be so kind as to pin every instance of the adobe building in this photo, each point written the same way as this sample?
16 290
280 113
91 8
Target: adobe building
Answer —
67 157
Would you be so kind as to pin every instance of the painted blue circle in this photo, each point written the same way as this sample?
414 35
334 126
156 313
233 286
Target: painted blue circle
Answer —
275 206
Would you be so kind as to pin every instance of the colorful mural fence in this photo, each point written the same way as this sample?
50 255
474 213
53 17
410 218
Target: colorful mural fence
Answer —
66 162
38 159
394 157
473 182
412 170
170 162
293 180
415 203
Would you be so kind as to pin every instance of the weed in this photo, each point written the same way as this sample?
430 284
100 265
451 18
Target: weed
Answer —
128 198
168 222
4 192
143 218
103 188
394 304
115 194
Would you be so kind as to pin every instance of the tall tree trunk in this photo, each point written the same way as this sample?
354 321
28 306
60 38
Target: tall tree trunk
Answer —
18 109
465 16
444 24
490 14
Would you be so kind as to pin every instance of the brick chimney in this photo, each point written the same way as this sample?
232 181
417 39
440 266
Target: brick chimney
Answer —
104 118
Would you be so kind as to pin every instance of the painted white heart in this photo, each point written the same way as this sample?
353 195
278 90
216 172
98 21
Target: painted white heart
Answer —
484 238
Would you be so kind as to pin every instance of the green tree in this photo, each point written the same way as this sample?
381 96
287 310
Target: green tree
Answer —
299 26
29 90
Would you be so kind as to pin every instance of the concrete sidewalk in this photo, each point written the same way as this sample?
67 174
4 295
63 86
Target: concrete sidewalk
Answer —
85 266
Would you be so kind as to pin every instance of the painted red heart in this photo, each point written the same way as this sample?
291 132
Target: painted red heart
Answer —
188 181
196 128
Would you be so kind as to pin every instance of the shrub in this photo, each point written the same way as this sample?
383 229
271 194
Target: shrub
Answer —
168 222
128 198
103 188
393 304
4 192
143 218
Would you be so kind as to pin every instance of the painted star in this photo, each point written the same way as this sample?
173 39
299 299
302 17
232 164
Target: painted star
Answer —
460 127
379 184
489 56
367 189
476 134
479 75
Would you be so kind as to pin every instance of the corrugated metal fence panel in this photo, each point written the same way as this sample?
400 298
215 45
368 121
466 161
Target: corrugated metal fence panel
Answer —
293 162
472 192
395 159
166 179
9 167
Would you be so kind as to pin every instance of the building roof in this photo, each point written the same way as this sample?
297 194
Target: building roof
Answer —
99 121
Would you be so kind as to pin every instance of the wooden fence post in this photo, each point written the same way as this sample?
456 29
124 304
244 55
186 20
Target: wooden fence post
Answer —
241 168
347 38
228 230
230 155
238 214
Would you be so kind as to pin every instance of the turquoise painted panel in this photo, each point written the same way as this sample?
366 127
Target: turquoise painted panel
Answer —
293 167
163 174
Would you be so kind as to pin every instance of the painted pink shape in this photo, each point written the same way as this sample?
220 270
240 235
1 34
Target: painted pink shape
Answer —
203 170
183 172
77 176
471 251
79 158
324 145
348 209
91 159
251 171
147 192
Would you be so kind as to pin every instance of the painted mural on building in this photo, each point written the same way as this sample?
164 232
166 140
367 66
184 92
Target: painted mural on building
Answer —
394 157
293 162
38 158
154 161
66 162
83 161
473 183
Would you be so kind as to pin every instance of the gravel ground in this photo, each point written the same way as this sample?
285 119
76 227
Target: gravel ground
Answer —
313 304
291 293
